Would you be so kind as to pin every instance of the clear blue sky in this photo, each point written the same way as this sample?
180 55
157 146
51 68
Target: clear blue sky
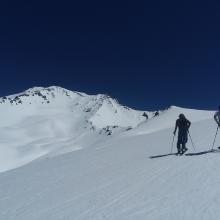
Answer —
147 54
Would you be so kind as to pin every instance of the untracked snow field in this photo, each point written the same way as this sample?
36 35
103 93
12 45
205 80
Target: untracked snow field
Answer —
125 176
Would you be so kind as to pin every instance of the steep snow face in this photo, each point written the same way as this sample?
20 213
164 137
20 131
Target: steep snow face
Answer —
54 120
111 113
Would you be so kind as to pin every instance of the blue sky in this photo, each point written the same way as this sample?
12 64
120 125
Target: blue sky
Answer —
147 54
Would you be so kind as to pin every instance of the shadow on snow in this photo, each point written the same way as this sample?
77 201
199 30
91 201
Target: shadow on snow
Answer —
203 152
188 154
163 155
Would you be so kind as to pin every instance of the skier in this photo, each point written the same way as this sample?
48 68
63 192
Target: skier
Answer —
183 125
217 117
217 120
145 115
156 114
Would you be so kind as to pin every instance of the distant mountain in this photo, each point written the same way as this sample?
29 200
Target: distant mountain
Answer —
100 110
39 120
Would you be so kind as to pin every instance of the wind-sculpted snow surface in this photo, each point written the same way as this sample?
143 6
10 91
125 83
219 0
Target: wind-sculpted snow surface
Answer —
110 177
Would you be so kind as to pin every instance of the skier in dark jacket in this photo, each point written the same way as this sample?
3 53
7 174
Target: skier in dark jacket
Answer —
183 125
217 117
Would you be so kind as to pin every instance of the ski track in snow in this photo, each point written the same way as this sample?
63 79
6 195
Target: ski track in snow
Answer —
64 171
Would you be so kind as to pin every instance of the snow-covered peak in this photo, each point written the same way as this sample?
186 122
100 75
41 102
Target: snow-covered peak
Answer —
55 89
100 110
41 116
44 95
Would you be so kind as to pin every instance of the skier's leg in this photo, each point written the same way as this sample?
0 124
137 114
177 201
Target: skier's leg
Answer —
185 139
179 145
181 142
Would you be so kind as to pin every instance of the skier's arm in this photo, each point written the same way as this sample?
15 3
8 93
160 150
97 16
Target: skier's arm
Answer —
216 118
175 129
189 124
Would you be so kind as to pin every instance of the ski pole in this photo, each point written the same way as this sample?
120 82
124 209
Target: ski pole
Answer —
172 143
192 141
215 138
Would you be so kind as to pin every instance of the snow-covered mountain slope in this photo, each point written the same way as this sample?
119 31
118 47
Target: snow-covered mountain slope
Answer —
54 120
114 177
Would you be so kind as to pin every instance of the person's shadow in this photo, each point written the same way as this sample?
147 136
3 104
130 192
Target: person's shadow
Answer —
204 152
162 155
189 154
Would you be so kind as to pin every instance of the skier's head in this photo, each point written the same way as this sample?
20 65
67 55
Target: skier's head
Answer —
181 116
